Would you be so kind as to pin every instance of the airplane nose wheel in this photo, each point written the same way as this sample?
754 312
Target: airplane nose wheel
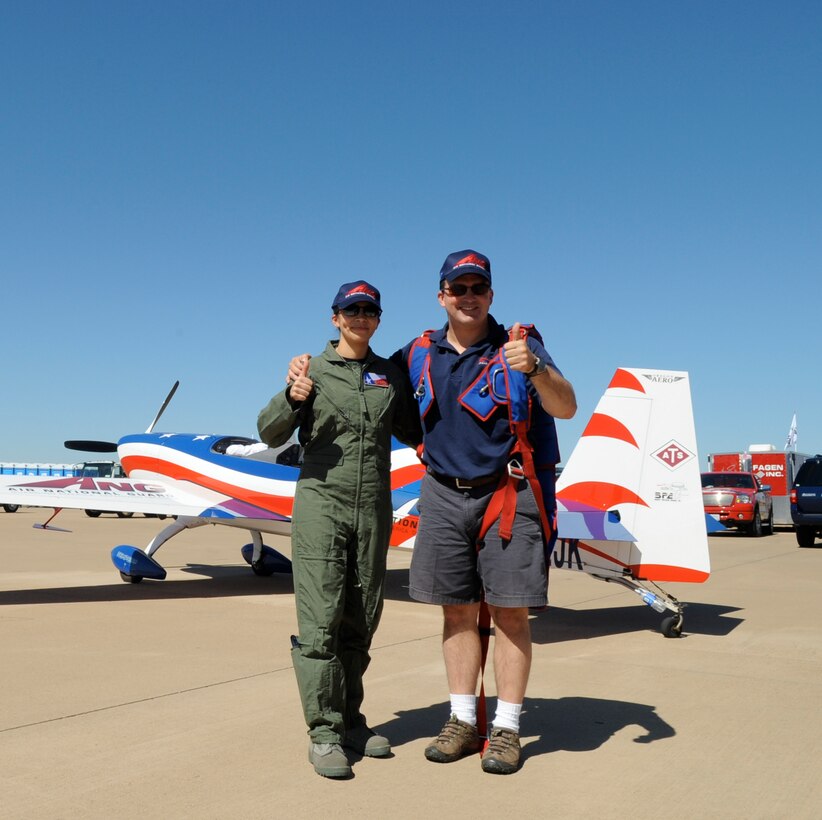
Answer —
671 627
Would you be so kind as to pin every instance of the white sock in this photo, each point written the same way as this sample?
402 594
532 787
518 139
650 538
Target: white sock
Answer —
465 708
507 716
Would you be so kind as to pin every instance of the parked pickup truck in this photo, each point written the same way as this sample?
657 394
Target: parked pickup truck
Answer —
738 500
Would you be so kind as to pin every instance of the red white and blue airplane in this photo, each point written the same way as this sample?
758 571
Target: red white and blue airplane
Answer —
629 499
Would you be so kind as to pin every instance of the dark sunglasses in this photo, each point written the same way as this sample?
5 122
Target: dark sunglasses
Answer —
369 311
457 289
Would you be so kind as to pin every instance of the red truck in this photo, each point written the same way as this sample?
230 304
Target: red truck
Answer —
738 500
771 467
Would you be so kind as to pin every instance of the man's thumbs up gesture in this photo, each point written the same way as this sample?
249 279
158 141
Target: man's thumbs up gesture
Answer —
517 353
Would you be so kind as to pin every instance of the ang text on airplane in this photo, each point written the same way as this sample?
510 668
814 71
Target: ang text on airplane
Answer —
87 484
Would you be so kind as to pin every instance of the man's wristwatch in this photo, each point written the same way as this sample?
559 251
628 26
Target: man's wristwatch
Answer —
539 367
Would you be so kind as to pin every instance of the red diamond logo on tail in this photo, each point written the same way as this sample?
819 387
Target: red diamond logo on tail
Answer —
673 455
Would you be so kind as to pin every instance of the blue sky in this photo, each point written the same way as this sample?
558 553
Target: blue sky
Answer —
186 184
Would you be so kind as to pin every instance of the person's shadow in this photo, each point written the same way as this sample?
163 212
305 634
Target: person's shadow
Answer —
573 724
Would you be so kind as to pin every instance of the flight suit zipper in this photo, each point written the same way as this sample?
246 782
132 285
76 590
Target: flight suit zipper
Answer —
359 371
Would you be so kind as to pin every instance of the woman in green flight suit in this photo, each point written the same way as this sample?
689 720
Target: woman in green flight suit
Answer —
346 411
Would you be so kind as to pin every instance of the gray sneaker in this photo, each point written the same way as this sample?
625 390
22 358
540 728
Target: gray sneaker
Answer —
366 742
456 740
329 760
503 752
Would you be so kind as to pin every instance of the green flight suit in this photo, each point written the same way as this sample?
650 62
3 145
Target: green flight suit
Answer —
341 524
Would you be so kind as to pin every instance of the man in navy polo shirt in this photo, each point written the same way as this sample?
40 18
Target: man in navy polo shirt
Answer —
467 451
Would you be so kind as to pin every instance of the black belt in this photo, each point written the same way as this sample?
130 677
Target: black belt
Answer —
464 483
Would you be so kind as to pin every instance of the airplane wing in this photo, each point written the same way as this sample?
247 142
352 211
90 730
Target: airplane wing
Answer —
155 496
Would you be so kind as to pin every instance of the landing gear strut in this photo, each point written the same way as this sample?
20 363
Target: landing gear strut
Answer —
659 601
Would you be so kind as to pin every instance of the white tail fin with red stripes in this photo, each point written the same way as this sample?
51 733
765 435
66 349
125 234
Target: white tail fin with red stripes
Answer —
630 498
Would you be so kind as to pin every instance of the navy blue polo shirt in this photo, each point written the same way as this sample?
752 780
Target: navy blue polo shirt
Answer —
457 443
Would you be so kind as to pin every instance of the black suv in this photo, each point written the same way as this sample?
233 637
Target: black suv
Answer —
806 502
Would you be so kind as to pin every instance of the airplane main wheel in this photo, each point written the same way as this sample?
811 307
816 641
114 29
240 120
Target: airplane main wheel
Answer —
671 627
260 569
131 579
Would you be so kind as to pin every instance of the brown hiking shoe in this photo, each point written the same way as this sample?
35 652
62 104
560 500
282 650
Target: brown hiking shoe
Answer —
456 740
503 752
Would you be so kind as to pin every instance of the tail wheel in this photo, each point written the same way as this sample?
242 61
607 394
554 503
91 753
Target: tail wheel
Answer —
671 627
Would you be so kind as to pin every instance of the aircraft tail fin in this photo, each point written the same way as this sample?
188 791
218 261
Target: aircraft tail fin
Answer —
630 499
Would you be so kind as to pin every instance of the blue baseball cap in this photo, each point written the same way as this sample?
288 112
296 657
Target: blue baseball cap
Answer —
353 292
460 263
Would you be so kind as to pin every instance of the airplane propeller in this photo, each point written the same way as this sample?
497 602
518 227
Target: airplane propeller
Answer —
163 406
91 446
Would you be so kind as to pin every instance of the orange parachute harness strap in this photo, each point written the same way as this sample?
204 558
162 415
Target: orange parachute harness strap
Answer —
503 504
497 385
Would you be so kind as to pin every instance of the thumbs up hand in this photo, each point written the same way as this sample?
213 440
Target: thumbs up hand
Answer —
517 353
297 367
301 385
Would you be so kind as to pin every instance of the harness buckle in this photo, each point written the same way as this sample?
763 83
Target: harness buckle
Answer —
515 469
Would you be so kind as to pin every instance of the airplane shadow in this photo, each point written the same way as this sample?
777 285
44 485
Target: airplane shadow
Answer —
212 582
215 582
557 624
554 625
572 724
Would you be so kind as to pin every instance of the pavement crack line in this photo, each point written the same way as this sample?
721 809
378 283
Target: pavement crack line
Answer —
164 695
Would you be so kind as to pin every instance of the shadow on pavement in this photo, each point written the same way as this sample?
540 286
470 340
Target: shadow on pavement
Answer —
557 624
553 625
575 724
216 582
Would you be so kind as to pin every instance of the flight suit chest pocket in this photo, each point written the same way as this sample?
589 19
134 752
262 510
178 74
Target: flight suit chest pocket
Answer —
378 399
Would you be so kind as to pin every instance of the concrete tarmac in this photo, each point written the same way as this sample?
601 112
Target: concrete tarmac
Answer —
176 699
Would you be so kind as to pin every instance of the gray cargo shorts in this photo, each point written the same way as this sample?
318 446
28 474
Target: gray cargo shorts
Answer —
446 567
